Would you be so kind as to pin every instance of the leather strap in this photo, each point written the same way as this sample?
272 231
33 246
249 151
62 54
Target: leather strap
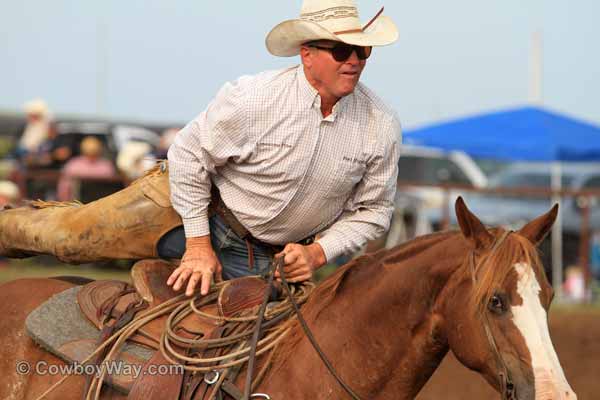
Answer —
364 28
257 332
218 206
232 390
278 263
109 329
507 387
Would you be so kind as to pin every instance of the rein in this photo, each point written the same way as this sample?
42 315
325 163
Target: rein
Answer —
279 264
507 387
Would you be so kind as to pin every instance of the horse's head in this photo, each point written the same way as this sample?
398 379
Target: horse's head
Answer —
498 310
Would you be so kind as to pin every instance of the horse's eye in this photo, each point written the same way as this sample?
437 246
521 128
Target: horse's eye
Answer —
497 304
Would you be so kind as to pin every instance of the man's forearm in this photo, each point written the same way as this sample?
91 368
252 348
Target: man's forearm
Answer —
198 242
353 230
317 255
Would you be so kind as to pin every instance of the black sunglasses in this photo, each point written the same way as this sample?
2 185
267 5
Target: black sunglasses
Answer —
342 51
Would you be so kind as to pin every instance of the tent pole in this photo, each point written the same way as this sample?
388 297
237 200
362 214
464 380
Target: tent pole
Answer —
536 69
557 242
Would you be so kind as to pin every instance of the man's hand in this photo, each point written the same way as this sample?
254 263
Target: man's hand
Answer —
199 264
300 261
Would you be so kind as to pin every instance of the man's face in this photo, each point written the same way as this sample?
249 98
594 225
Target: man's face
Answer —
328 76
34 117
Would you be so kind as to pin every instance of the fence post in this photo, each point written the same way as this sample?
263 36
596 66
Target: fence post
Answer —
584 241
445 209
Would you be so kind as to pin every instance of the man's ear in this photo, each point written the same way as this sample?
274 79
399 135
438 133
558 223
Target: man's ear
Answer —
306 56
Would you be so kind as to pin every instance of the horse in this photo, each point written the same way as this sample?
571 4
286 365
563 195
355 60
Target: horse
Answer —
385 320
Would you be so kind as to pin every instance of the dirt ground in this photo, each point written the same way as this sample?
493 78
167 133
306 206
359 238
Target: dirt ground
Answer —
576 337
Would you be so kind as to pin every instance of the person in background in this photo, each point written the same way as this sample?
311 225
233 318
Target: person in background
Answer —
50 154
166 140
89 165
36 129
9 193
134 159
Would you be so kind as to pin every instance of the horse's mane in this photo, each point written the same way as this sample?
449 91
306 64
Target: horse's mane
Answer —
491 273
495 267
326 291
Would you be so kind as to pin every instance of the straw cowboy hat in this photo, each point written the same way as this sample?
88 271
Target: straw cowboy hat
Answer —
8 191
330 20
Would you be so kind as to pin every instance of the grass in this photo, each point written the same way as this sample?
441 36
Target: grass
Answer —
39 267
566 308
43 268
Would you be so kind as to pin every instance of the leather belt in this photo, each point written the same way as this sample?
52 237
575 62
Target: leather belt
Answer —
218 207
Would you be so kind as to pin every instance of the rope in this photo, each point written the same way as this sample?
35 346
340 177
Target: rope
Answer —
179 308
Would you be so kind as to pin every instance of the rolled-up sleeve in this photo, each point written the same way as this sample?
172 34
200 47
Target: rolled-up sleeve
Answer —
368 212
212 139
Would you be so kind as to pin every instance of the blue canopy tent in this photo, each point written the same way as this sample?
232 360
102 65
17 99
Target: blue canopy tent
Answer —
521 134
526 134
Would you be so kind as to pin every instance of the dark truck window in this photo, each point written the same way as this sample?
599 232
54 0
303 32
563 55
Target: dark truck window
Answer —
527 180
430 170
592 183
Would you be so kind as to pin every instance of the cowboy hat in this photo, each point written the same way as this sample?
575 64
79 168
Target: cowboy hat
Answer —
330 20
36 107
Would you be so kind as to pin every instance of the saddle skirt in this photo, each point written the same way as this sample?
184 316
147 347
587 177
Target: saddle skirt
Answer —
69 323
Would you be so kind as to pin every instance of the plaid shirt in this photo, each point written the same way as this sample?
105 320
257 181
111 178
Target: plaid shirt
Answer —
285 171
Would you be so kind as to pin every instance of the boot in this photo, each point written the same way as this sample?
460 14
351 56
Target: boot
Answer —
124 225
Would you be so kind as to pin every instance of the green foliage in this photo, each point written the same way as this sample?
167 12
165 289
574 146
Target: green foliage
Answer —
324 272
6 145
36 268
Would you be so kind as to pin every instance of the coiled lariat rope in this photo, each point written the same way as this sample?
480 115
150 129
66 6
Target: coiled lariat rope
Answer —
180 307
274 333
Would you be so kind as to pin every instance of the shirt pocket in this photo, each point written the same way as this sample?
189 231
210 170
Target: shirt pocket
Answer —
271 155
347 173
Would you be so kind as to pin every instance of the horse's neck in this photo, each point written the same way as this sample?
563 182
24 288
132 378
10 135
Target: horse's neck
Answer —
380 330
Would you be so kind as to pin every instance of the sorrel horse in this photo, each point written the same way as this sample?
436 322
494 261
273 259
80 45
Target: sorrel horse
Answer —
385 320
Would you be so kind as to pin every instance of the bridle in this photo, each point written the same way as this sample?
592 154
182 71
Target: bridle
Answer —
277 264
507 387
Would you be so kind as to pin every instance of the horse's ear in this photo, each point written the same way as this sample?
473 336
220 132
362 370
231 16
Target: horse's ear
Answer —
537 229
471 226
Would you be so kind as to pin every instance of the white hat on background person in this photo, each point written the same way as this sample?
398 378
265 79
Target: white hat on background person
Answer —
335 20
9 191
135 158
37 107
38 125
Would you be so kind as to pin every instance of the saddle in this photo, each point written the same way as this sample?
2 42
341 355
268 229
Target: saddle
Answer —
102 301
109 304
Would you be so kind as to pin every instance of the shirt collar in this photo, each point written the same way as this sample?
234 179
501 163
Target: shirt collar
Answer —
310 97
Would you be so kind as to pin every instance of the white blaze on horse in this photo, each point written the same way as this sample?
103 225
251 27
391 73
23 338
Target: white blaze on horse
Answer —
532 320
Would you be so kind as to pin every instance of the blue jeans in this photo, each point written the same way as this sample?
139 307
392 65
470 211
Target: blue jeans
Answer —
229 247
